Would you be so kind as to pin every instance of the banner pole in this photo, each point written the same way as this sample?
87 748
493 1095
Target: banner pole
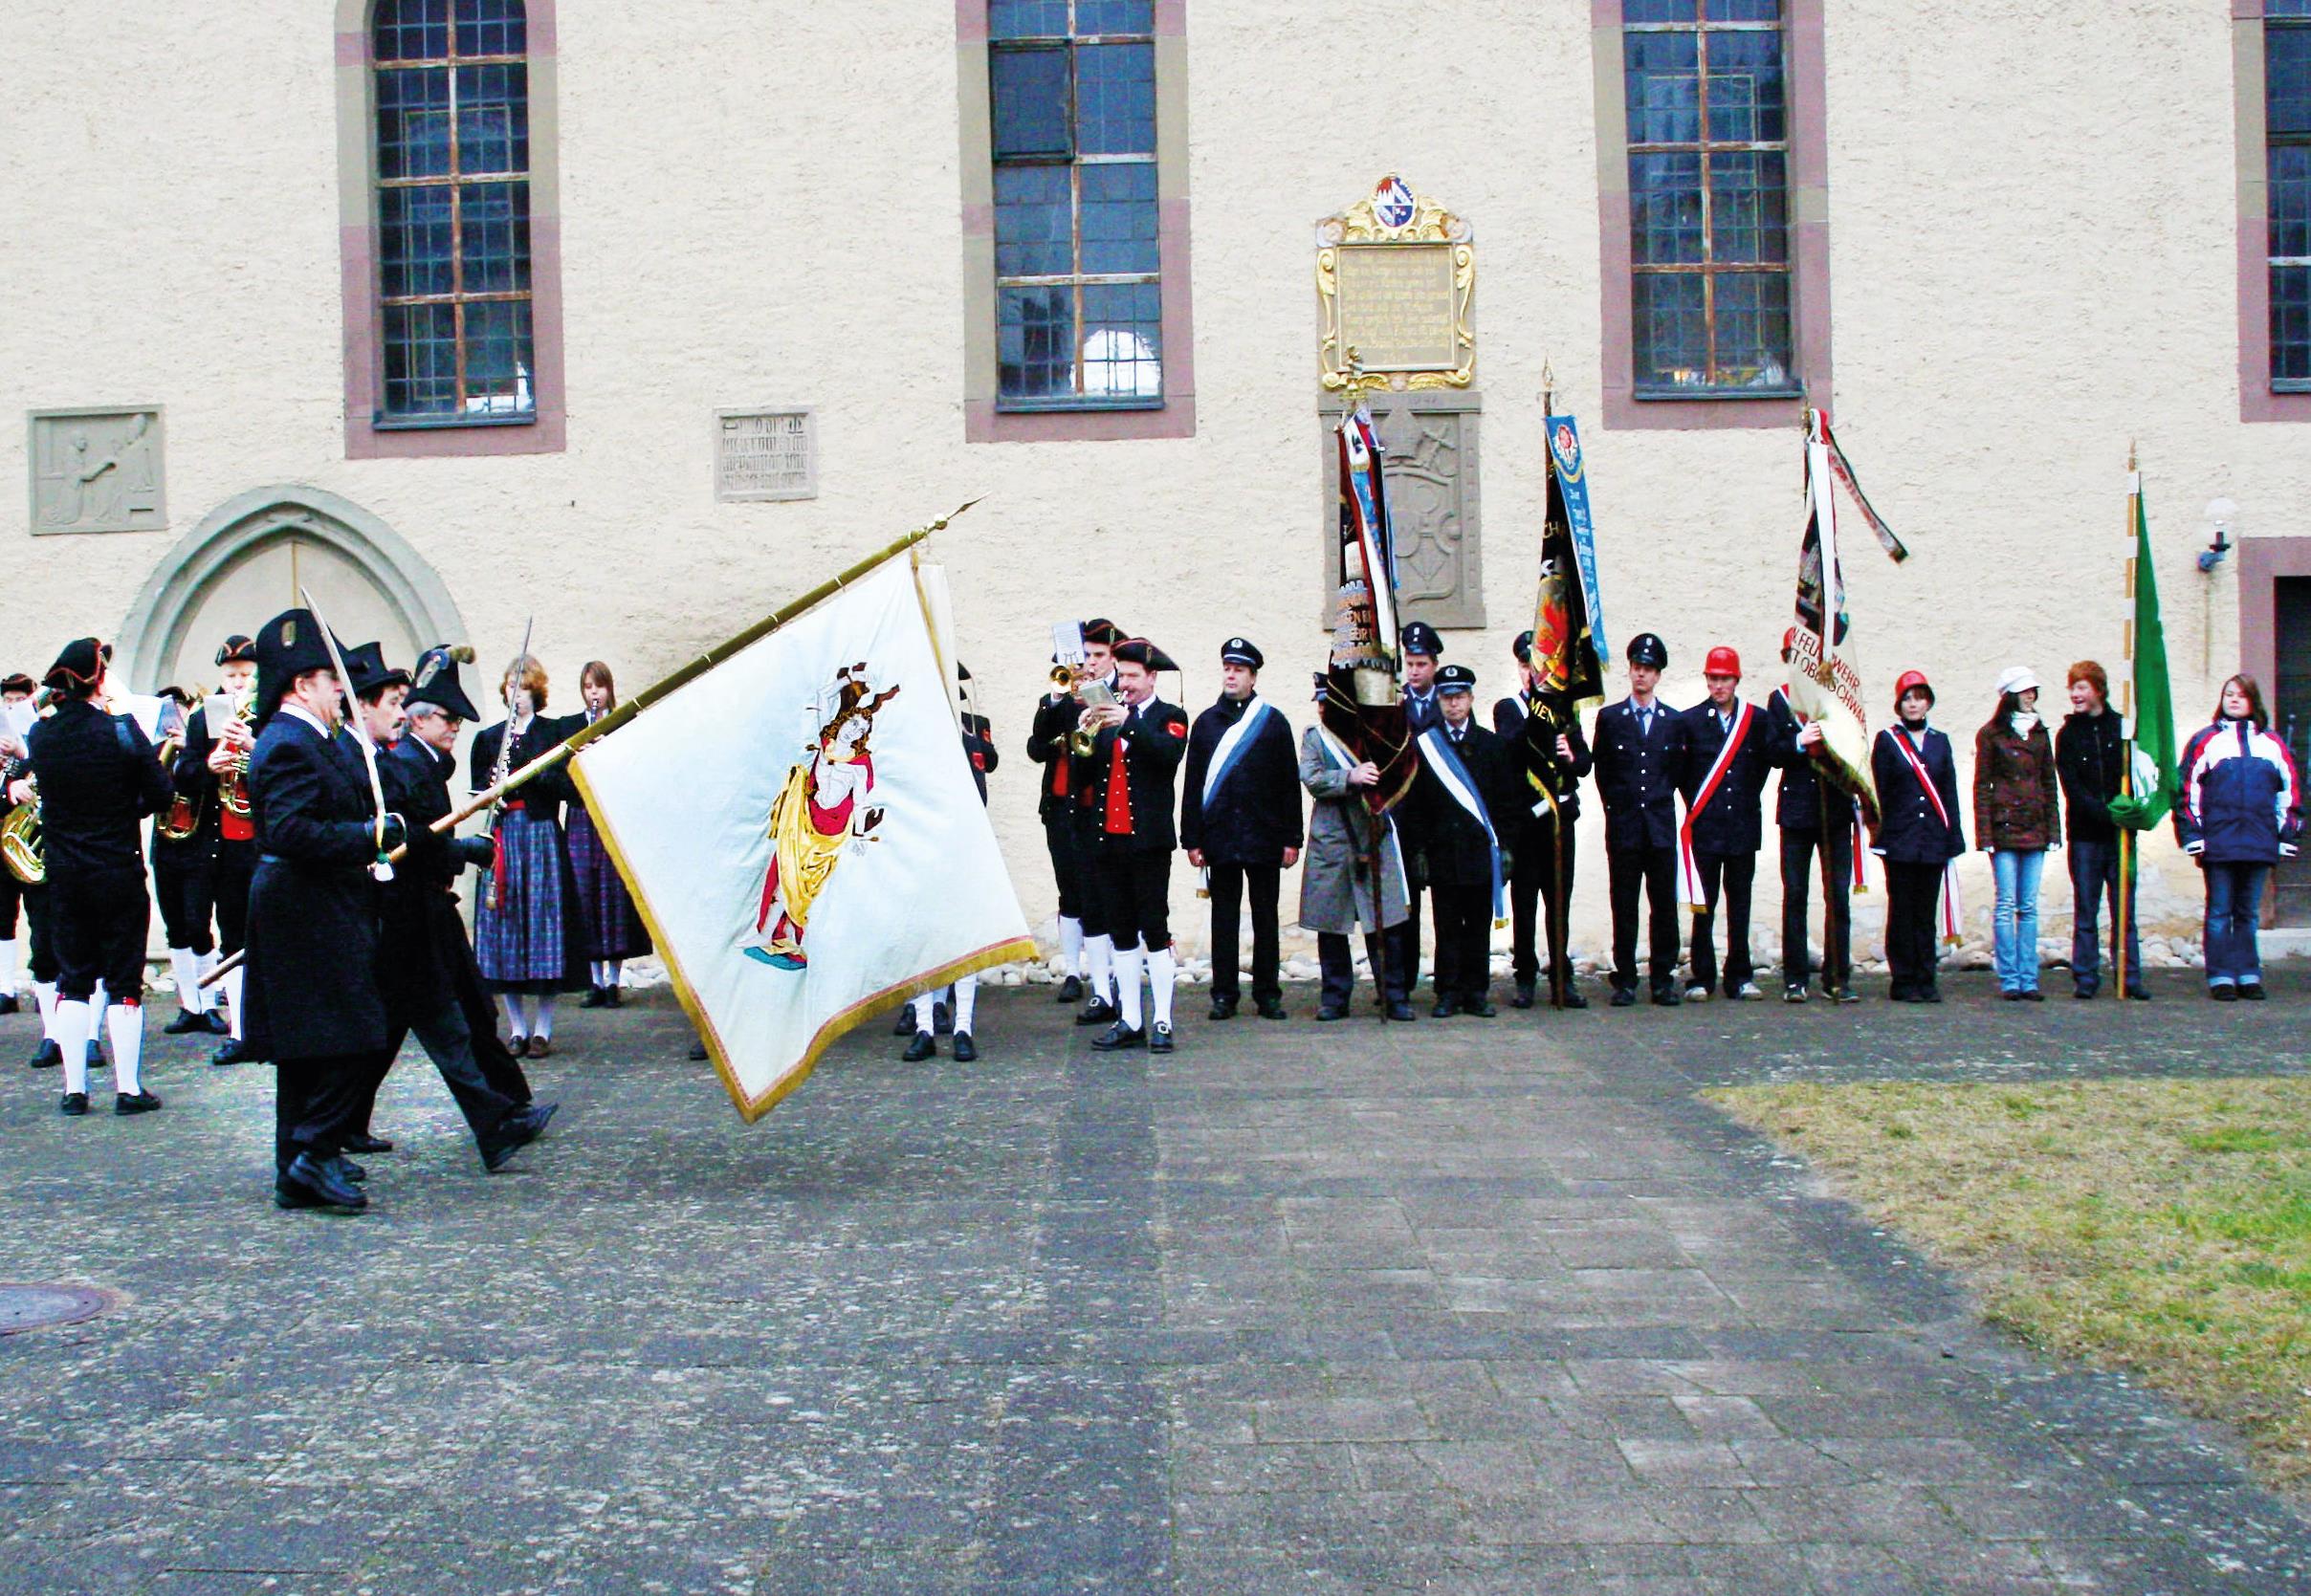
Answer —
2125 896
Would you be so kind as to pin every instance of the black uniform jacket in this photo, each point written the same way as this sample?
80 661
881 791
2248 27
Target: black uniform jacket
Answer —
978 744
1055 720
1637 775
1910 830
2090 755
418 913
98 776
1534 747
1733 821
1798 806
1155 739
1449 842
312 985
1255 814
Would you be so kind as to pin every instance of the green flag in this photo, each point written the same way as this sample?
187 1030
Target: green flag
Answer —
2151 725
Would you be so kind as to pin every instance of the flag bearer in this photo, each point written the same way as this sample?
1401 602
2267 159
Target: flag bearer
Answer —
1797 817
1540 837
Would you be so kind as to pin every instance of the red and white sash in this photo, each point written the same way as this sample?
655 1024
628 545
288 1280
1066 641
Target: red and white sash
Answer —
1689 873
1951 907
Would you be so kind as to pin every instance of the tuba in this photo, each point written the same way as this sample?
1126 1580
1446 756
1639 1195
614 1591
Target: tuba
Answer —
20 844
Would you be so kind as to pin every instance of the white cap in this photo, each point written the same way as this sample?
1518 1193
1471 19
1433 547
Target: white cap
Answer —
2016 679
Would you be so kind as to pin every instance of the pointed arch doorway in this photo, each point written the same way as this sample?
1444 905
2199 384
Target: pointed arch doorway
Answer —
246 561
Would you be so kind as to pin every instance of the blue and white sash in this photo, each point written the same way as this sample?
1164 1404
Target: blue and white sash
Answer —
1445 760
1232 744
1337 755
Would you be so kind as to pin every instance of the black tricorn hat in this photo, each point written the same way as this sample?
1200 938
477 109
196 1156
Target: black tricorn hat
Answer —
1420 638
80 664
287 647
1645 648
1140 651
436 683
237 649
365 663
18 682
1104 632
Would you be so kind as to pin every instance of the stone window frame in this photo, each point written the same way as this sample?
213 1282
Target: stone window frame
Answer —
2259 400
546 433
1805 76
984 421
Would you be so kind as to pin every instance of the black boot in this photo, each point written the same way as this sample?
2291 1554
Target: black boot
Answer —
1070 990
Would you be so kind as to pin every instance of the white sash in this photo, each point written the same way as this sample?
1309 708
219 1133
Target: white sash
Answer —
1232 744
1951 908
1445 761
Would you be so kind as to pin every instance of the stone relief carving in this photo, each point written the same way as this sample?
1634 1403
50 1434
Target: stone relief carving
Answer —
1431 464
97 470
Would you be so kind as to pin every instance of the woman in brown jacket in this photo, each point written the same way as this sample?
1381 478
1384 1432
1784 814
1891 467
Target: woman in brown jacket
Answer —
2017 817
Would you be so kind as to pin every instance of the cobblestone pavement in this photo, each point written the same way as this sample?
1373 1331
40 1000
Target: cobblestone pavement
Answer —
1458 1307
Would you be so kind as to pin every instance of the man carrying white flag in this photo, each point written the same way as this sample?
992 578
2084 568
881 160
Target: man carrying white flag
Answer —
799 827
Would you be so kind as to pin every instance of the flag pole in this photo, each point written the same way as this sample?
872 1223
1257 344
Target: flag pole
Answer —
1560 929
629 708
1375 845
2125 892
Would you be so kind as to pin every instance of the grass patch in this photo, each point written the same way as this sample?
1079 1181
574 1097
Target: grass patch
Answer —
2160 1226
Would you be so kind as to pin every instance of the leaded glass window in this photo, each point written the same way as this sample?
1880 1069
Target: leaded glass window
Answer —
2287 128
1078 283
453 210
1709 197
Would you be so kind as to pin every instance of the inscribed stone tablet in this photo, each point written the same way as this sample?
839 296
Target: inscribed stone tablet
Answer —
1397 306
766 454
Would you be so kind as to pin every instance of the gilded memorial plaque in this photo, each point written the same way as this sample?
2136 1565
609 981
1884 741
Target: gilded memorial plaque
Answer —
1394 274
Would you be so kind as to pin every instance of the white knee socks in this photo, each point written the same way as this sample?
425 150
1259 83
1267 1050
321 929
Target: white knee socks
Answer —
1161 973
920 1008
1100 954
185 965
234 984
44 995
10 968
542 1006
1070 946
966 1002
74 1018
512 1001
1128 961
97 1005
126 1026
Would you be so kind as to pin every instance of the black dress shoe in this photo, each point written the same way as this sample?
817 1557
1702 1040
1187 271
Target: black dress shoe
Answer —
1070 991
2251 992
2085 995
966 1050
217 1025
1118 1036
535 1117
904 1025
1522 996
1400 1008
1159 1037
7 1003
698 1053
1573 1001
2138 995
187 1022
1666 997
367 1143
47 1055
326 1182
1479 1008
592 999
922 1047
233 1052
288 1195
1929 995
357 1174
134 1102
1223 1008
74 1105
1097 1011
942 1017
2033 995
1330 1012
1273 1009
1624 998
613 997
1442 1009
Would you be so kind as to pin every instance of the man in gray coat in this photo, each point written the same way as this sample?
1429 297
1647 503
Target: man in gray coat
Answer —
1337 879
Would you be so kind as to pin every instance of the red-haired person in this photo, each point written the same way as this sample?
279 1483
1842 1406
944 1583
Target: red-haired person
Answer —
613 931
2240 811
2090 754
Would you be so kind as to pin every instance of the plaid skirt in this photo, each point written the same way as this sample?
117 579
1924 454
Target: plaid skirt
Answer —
536 941
613 930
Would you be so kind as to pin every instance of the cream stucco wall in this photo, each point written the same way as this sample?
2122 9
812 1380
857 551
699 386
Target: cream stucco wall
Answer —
2031 233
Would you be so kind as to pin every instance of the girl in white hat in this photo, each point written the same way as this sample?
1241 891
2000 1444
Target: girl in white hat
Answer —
2017 818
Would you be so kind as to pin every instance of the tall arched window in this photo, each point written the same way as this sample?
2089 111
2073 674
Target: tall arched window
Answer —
453 172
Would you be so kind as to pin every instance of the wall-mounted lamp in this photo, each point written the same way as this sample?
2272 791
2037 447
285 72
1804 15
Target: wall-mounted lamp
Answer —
2222 521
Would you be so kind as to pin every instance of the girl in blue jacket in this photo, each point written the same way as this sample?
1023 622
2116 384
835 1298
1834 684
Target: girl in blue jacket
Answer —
2240 812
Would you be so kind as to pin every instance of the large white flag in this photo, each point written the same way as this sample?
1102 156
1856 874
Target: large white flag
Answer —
799 828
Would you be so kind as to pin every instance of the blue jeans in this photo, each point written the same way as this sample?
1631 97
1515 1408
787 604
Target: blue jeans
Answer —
2234 900
2094 875
2014 922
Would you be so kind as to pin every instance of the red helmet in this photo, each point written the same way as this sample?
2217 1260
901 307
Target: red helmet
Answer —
1909 681
1722 661
1789 641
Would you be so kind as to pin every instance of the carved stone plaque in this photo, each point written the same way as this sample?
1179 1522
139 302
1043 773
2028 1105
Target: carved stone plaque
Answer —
1397 305
97 470
1430 440
1394 274
766 454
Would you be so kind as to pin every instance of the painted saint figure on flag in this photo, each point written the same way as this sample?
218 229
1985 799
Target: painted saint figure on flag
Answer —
819 810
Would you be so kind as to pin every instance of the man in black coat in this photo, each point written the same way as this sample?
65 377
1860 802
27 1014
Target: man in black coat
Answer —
1640 743
1728 752
1422 649
1469 783
426 970
1135 752
1100 637
1239 820
98 776
1554 761
313 1005
212 771
1056 714
1797 817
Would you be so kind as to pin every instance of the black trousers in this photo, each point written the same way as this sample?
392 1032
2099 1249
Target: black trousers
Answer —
1913 896
1135 893
11 893
185 894
1229 883
1653 872
449 1042
1541 877
1464 968
1800 847
1339 969
40 930
1058 842
235 870
314 1103
102 919
1091 880
1729 877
